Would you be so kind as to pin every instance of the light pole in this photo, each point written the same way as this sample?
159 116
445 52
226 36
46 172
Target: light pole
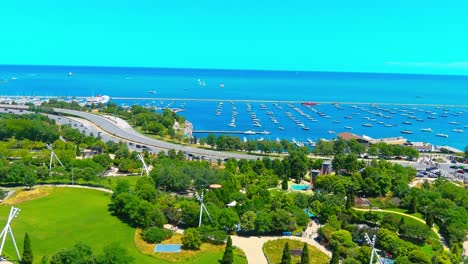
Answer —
14 211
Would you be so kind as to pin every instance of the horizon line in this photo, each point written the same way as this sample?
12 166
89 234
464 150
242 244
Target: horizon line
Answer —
238 70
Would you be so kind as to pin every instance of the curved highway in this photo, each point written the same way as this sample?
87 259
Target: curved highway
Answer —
129 134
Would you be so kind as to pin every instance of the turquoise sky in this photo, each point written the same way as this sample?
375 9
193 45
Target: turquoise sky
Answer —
407 36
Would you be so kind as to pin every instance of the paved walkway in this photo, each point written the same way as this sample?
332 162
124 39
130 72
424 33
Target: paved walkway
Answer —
253 246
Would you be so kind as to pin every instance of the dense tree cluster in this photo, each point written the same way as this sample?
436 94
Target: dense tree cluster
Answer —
31 127
381 150
82 253
446 203
148 120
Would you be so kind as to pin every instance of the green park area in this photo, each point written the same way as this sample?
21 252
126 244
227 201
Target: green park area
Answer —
58 218
274 249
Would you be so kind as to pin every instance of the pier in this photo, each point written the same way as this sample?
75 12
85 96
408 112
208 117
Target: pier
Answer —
248 132
236 100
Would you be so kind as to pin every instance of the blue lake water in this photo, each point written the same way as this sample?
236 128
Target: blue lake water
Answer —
264 85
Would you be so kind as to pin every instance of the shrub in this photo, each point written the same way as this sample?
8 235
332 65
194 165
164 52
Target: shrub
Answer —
212 235
191 239
156 234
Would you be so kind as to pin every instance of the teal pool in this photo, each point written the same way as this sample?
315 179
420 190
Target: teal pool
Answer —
300 187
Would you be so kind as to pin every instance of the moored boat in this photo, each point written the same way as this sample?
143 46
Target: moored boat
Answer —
406 132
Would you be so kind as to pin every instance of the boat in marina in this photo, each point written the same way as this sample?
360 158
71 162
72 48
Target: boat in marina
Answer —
367 125
454 123
432 117
305 128
281 128
426 129
309 103
250 132
331 132
98 99
348 127
152 91
388 125
407 123
70 74
458 130
442 135
348 117
406 132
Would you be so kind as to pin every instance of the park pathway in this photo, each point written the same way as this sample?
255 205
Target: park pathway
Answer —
253 246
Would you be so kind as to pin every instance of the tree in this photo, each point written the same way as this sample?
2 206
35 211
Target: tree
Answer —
248 221
29 180
335 259
211 140
430 220
114 254
466 152
27 250
79 253
297 161
191 239
286 257
413 206
284 183
228 257
305 254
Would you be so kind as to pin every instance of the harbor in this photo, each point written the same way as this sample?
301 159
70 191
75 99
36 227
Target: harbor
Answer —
303 122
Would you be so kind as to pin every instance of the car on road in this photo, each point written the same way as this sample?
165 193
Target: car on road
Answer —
454 167
461 171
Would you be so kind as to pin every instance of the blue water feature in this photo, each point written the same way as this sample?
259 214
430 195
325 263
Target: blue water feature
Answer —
300 187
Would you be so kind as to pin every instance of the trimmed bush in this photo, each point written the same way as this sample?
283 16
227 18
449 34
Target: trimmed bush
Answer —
212 235
156 234
191 239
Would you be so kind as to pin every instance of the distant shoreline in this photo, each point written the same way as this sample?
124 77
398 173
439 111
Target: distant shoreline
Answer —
256 71
245 100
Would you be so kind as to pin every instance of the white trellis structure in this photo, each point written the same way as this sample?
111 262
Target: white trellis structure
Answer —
202 207
52 157
14 211
374 251
145 167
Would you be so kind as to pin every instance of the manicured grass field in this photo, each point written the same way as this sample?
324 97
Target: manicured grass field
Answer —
68 216
274 249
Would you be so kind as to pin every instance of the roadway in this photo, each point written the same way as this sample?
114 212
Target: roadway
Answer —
118 130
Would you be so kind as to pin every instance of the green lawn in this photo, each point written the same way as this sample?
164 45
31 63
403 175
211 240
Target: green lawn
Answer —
104 182
401 210
274 249
212 258
68 216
